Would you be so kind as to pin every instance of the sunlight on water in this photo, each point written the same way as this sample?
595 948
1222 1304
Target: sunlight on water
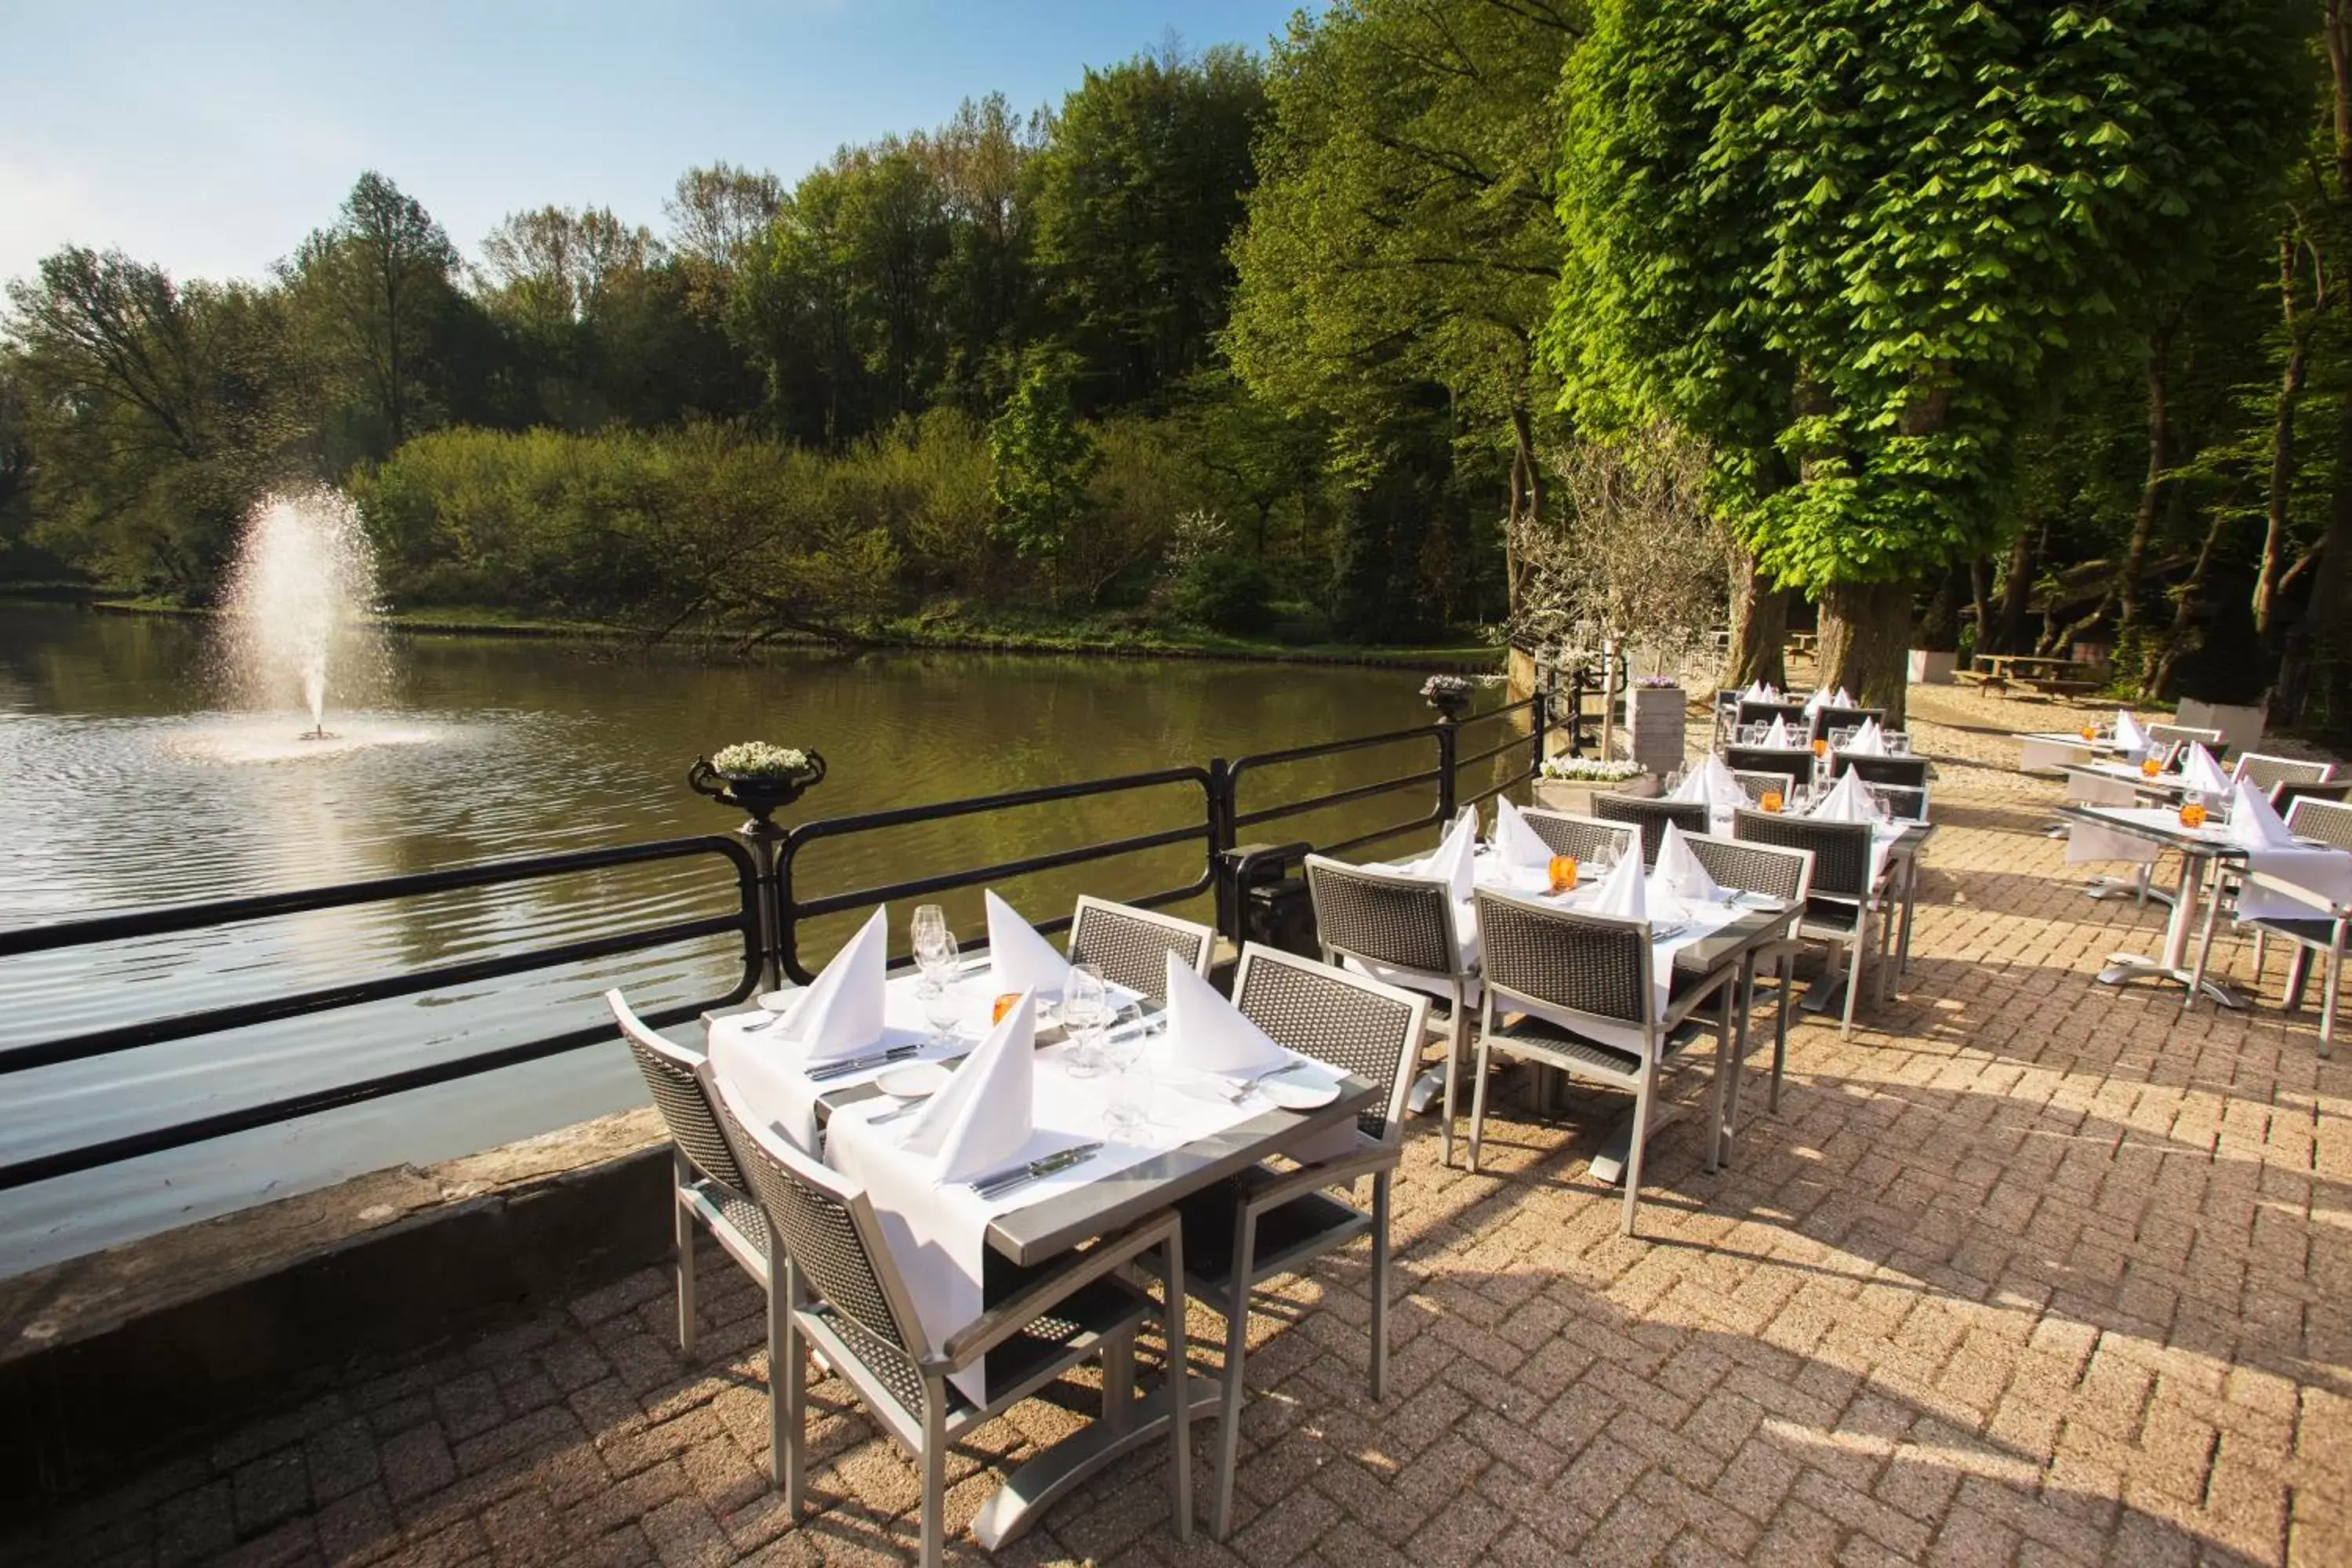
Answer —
295 627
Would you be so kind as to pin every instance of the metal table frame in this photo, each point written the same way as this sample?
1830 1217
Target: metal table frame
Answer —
2196 846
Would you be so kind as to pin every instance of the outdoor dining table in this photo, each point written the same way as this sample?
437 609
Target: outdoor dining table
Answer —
2198 847
1071 1215
2043 752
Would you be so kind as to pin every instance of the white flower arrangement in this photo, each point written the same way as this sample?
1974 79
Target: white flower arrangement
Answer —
758 759
1592 770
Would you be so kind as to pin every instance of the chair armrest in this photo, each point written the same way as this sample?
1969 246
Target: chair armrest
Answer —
1284 1185
1007 1319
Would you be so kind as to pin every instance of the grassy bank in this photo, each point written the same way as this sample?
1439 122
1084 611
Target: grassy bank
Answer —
1110 637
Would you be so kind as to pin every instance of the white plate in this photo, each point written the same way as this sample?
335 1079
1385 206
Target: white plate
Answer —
1296 1093
913 1080
780 1001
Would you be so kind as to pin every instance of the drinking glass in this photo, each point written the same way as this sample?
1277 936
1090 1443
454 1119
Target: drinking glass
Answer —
1898 742
1773 800
1086 1007
1125 1112
936 954
942 1008
928 929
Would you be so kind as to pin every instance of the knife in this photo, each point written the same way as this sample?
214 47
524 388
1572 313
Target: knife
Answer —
1013 1176
1151 1025
832 1071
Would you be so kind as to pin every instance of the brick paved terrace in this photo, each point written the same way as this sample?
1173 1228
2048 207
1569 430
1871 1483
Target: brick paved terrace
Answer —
2028 1271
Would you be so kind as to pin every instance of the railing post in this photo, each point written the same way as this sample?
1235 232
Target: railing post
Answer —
1223 809
1449 746
779 923
759 796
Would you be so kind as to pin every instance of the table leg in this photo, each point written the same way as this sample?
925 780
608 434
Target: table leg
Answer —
1040 1482
1910 903
2173 962
1745 987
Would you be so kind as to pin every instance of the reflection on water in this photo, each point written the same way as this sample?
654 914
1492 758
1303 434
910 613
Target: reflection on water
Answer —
119 790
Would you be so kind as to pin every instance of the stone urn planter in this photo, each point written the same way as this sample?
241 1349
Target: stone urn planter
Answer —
1657 718
2241 725
1576 795
1932 667
757 794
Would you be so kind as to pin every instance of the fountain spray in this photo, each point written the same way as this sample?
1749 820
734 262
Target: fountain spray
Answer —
303 582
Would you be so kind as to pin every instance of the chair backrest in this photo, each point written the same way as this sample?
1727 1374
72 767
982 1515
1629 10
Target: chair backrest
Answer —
2325 820
2269 772
1841 850
1383 917
1827 718
1130 946
1765 868
1372 1030
2335 790
1583 836
1755 785
1591 966
2178 735
1792 714
1793 763
1911 772
679 1093
826 1228
1651 815
1901 800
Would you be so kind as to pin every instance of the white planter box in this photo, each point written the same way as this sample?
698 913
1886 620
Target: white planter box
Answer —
2240 727
1575 795
1931 667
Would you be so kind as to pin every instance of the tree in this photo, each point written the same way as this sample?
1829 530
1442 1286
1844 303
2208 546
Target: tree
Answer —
1403 230
1043 461
979 159
1138 186
379 282
1857 245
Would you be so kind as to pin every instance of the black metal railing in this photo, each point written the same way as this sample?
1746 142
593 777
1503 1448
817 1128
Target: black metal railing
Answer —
769 908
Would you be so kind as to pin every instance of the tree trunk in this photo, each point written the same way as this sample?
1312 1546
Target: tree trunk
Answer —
1867 642
2129 632
2185 607
2289 392
1980 598
2315 678
1526 498
2009 634
1759 627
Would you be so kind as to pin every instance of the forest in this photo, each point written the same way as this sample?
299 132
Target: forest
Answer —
1994 326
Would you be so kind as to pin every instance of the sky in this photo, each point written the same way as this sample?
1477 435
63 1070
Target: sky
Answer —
209 138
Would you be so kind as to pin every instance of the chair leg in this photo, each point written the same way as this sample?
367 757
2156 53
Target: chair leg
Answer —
1633 1177
1716 1103
2298 975
1457 1032
1179 1378
2260 936
1380 1286
2332 977
1229 1424
1780 1030
787 1389
934 1460
1478 1096
1853 962
2204 953
682 1217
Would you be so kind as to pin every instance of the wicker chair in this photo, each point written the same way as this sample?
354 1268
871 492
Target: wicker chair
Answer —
1790 713
1583 836
2174 739
2333 792
706 1184
1907 773
1280 1220
1841 901
1651 815
1757 784
1901 800
1565 974
1793 763
843 1295
1405 931
1826 719
2323 934
2269 773
1775 873
1130 946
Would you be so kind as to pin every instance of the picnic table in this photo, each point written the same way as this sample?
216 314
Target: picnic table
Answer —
2050 675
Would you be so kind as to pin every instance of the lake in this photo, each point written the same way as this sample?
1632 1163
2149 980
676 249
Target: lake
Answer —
124 785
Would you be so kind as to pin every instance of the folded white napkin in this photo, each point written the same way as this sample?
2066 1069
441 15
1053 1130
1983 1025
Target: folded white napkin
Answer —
840 1015
1692 791
2324 876
2129 734
983 1119
1848 800
1758 692
1623 894
1018 957
1778 736
1207 1034
1723 791
1869 741
1520 846
1454 862
2254 821
2201 773
1678 873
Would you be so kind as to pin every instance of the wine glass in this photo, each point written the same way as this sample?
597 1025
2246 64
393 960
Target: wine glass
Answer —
1126 1112
928 929
1085 1006
937 991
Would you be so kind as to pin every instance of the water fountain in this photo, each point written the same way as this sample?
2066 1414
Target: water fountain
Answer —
298 599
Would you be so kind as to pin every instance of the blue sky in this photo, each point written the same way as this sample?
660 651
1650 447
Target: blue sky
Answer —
210 137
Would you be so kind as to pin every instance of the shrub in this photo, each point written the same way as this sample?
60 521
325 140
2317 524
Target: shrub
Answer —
1223 593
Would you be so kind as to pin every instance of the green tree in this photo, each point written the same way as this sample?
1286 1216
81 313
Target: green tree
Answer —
1857 246
1043 461
1138 188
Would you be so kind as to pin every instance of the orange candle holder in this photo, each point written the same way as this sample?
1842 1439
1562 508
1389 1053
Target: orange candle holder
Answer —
1004 1004
1821 748
1771 801
2090 731
2150 767
2192 813
1564 873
